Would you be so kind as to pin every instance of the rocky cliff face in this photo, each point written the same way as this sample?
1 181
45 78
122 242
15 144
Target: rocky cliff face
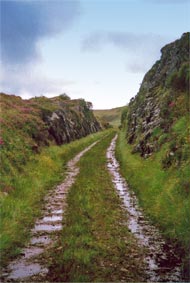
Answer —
162 99
71 121
41 121
29 125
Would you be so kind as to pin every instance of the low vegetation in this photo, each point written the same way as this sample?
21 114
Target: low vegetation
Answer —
21 204
96 245
29 125
163 193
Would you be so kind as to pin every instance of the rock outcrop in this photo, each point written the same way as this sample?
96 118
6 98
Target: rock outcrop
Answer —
29 125
71 121
162 98
41 121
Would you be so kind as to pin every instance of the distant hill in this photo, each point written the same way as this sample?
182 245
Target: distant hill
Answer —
111 116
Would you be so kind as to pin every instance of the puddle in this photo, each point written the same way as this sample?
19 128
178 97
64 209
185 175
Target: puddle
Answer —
47 227
31 252
163 264
58 211
30 265
52 218
40 240
23 270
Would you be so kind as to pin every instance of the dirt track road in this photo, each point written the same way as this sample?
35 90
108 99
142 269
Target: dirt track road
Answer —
162 264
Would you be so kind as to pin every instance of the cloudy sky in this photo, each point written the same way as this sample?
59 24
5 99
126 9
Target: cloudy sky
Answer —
99 50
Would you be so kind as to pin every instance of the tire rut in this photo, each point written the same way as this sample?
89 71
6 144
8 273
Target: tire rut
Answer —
31 265
163 263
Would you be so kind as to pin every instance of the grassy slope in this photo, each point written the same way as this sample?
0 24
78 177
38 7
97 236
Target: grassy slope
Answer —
24 130
112 116
22 205
96 246
160 191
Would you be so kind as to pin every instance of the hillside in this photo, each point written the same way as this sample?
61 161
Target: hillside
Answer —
28 125
110 116
160 111
154 145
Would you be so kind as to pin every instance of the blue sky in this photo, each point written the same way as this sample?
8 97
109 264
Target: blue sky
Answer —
99 50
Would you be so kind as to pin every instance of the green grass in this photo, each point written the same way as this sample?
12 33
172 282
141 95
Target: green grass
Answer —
111 116
95 246
26 128
164 194
23 203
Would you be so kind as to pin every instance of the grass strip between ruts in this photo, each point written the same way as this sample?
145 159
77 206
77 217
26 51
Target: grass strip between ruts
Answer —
96 245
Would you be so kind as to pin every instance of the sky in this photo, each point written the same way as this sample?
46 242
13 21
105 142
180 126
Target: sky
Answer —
98 50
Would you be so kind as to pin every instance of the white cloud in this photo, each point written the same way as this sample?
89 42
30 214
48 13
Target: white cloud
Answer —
135 47
29 82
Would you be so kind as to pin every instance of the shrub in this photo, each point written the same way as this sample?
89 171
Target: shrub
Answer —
64 96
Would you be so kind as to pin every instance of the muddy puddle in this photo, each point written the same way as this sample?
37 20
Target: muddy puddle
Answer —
163 264
31 265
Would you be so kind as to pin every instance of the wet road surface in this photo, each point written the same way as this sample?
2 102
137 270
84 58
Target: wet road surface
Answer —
31 264
163 264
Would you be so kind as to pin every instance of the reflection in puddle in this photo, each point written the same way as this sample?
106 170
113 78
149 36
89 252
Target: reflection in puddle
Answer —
52 218
47 227
31 252
40 240
22 269
58 211
160 257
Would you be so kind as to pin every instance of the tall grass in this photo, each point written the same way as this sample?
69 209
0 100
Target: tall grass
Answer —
22 205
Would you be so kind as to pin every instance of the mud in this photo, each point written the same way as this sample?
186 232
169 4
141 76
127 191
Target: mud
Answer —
32 264
162 261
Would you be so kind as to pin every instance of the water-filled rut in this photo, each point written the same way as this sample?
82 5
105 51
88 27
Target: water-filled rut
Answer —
163 264
31 265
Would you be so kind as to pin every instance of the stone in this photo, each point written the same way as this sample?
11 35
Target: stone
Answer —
145 111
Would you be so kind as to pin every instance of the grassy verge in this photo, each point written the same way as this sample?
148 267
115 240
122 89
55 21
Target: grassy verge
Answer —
22 205
159 191
96 245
